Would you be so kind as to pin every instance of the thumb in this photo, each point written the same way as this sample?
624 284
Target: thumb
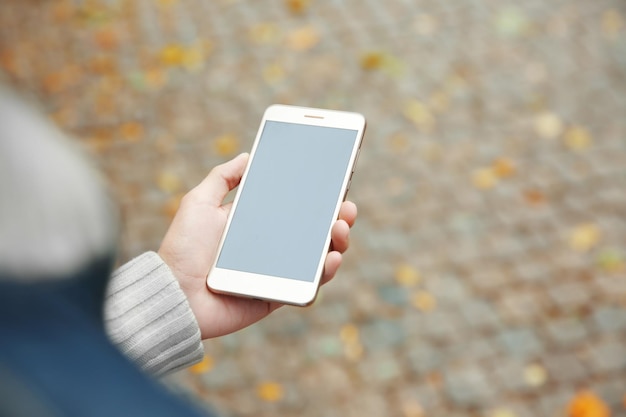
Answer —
221 180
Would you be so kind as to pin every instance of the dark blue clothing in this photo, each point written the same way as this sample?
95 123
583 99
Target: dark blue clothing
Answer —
57 361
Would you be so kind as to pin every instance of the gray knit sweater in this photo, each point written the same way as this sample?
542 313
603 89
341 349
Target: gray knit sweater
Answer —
148 317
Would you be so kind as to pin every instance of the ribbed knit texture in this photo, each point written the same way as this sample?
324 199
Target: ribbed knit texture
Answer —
148 317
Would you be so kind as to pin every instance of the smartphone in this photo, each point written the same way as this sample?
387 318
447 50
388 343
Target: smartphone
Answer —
278 231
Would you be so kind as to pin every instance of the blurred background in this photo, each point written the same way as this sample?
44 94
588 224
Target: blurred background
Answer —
487 272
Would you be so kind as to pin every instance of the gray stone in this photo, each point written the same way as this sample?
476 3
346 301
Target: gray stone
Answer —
382 335
522 342
480 315
607 355
609 318
509 372
566 331
424 358
380 369
394 295
468 385
523 306
565 368
570 296
449 289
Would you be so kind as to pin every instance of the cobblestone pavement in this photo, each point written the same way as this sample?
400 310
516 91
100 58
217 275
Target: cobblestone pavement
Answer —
486 275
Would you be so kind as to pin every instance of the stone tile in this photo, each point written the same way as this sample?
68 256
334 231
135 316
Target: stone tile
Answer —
468 385
382 335
565 368
566 331
608 355
609 318
521 342
571 295
496 255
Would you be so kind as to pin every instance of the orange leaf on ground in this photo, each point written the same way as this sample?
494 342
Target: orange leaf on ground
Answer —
587 404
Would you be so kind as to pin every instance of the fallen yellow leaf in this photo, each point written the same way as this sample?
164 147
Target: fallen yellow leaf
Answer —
503 167
423 301
612 23
303 38
270 391
372 60
169 182
577 138
407 276
349 333
535 375
297 6
584 237
418 113
412 409
548 125
204 366
484 178
226 145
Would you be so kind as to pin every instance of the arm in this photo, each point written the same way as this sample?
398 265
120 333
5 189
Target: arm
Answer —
148 317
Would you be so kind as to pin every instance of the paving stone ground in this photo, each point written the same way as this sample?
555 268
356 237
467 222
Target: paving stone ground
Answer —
486 275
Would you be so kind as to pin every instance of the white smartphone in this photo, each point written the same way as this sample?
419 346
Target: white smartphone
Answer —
278 232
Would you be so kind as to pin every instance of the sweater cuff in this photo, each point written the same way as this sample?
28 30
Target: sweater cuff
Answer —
148 317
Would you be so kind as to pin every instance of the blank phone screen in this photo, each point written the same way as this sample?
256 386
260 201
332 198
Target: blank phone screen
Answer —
286 207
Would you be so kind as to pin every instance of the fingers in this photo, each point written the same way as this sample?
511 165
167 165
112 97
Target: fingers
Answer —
340 236
332 264
348 212
340 233
221 180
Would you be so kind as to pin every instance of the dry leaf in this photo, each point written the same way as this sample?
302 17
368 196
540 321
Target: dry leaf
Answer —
577 138
611 260
535 375
418 113
587 404
203 367
297 6
372 60
226 145
107 39
412 409
264 33
423 301
584 237
612 23
534 197
407 276
132 131
303 38
503 167
349 333
274 73
502 412
172 55
155 78
270 391
169 182
548 125
484 178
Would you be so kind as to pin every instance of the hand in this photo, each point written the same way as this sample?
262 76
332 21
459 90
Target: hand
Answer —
190 246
